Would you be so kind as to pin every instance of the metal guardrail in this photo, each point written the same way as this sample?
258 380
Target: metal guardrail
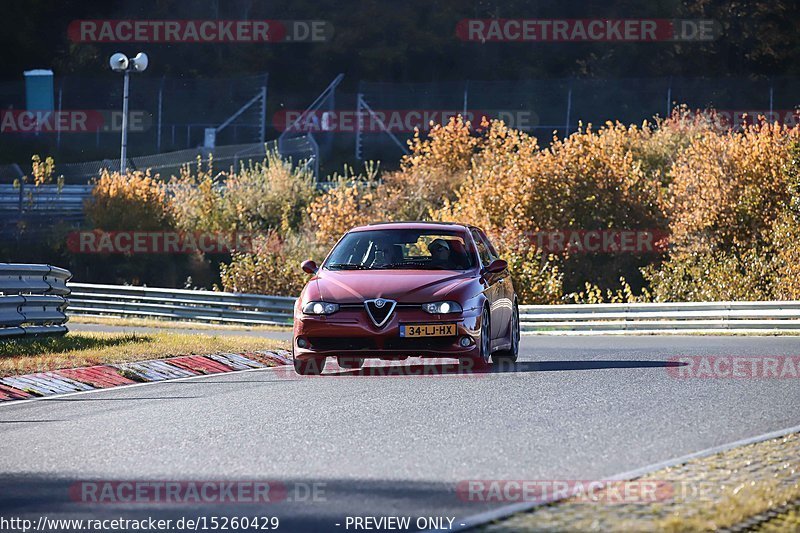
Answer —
237 308
32 299
36 205
45 200
33 212
681 316
179 304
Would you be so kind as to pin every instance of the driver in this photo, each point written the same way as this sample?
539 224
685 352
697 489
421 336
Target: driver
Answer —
385 254
440 254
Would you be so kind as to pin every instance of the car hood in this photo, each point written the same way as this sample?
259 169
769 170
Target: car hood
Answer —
408 286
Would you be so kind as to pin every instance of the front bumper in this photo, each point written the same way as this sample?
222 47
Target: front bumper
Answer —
350 332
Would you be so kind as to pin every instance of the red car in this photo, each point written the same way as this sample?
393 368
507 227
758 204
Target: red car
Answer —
401 289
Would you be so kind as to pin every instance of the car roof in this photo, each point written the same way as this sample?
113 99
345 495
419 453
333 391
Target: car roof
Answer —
413 224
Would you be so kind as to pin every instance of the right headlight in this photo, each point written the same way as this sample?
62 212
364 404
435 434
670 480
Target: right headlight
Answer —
440 308
320 308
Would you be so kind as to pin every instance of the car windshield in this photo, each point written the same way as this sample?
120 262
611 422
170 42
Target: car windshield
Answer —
421 249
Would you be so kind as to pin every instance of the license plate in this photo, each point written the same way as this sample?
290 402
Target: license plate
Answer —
427 330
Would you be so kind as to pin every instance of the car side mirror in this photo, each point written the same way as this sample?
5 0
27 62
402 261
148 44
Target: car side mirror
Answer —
496 266
309 266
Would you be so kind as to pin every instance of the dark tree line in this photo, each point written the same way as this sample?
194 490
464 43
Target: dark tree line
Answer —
411 41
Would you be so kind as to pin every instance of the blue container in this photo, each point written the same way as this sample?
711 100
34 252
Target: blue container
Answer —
39 90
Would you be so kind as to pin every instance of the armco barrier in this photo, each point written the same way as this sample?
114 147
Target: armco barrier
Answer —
32 299
683 316
180 304
210 306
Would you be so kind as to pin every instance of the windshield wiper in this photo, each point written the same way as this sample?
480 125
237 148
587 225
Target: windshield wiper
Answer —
411 266
346 266
398 265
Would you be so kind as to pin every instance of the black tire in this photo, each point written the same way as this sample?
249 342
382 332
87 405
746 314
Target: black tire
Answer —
481 361
312 366
509 357
350 362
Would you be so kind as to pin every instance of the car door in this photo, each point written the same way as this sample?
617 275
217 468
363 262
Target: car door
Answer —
505 296
493 283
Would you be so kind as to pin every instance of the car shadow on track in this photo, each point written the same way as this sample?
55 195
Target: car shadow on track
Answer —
456 369
554 366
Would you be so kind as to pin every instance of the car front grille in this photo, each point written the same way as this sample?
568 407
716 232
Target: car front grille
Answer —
342 343
368 343
379 314
422 343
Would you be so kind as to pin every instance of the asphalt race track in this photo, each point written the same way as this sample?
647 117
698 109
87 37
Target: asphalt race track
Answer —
574 408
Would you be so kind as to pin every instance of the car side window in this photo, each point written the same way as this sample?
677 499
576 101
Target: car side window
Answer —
483 250
489 246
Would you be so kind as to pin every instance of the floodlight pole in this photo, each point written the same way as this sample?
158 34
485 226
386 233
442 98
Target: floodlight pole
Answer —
123 152
120 63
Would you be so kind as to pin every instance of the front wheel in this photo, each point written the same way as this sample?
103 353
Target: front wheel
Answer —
312 366
481 361
510 356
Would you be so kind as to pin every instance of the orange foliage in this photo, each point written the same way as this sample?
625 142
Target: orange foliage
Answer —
727 189
133 201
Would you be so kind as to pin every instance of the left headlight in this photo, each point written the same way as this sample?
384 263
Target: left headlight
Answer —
438 308
320 308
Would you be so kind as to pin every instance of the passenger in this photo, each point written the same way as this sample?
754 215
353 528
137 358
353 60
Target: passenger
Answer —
440 254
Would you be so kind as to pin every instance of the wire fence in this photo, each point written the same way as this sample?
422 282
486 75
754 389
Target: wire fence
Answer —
170 116
299 150
558 106
165 115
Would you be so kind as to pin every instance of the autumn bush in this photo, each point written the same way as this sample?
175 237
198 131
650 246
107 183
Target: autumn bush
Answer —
198 198
723 196
271 194
720 195
737 274
728 200
134 201
130 201
348 201
786 244
273 266
537 277
32 245
429 177
589 181
43 172
727 189
733 208
593 294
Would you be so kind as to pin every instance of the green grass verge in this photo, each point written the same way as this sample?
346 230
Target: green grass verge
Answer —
77 349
